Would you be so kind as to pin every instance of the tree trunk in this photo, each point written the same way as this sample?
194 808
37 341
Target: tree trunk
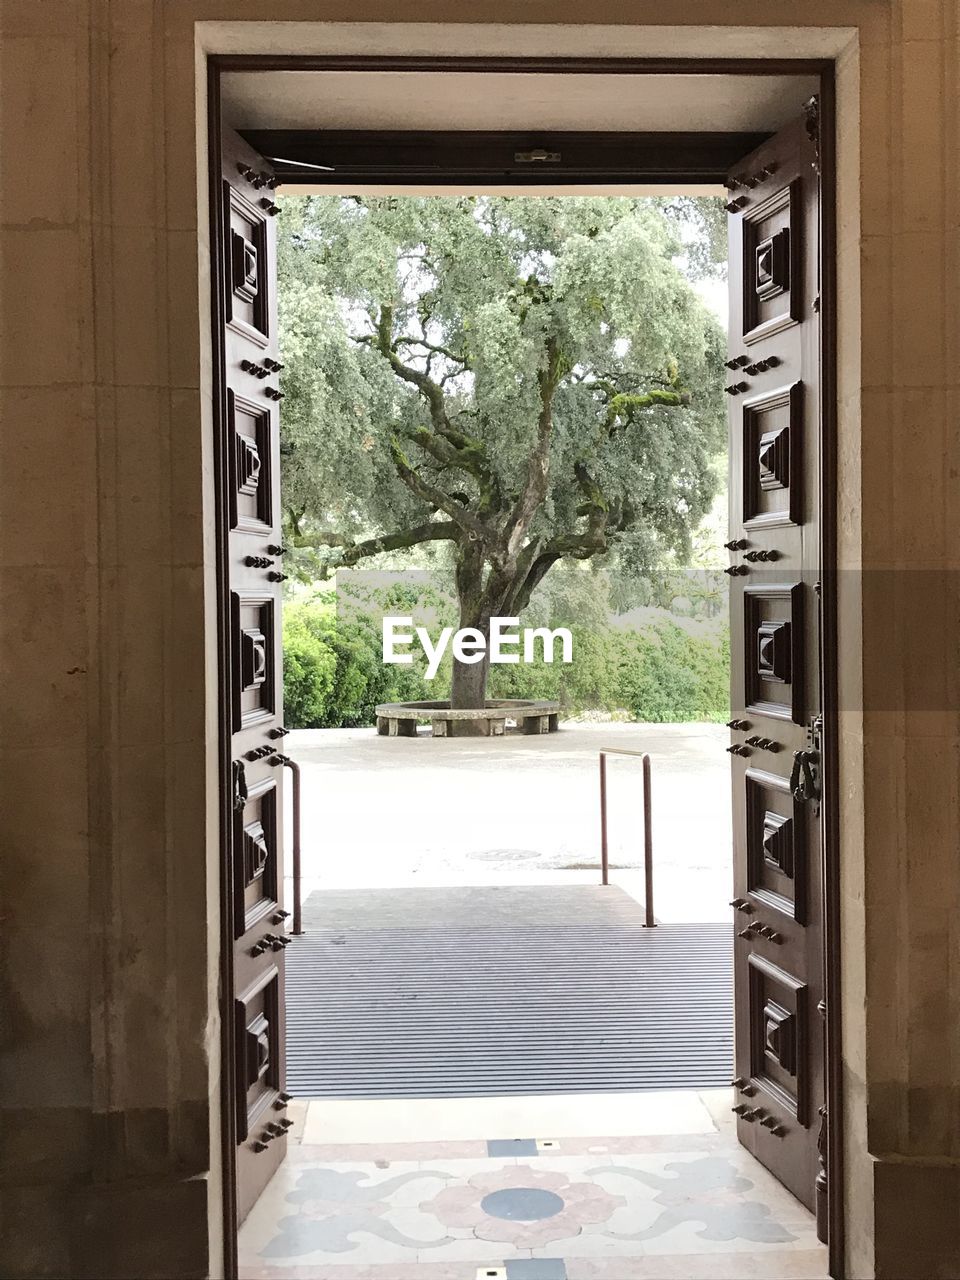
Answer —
468 687
468 690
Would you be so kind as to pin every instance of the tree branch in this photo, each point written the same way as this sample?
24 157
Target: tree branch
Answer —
324 538
432 531
534 563
576 546
467 453
534 490
622 406
435 445
430 390
435 497
432 347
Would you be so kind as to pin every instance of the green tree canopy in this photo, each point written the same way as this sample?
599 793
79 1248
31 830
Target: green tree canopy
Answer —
521 380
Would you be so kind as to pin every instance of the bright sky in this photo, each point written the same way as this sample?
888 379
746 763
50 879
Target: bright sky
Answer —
714 294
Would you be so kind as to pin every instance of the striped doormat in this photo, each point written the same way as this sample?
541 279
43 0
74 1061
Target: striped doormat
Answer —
467 992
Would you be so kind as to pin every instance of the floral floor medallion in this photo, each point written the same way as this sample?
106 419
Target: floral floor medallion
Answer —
522 1206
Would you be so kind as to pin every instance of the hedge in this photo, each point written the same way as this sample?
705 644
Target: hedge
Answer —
334 674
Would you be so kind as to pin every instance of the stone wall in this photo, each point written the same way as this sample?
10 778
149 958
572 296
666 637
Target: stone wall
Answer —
107 763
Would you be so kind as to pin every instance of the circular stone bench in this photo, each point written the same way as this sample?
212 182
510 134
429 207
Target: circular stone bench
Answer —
399 719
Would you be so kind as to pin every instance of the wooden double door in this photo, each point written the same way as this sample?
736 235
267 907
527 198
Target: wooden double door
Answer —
251 675
774 391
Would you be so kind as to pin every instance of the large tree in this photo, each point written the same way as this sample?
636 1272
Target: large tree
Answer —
521 380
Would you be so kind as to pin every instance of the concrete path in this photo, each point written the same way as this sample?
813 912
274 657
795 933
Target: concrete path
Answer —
386 812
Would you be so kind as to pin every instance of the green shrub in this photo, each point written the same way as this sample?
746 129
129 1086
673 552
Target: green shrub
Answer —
334 674
585 684
309 672
667 675
333 670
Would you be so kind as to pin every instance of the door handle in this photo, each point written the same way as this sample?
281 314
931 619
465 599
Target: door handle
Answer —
805 775
240 792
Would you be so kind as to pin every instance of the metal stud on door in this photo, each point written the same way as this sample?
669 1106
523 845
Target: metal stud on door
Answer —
252 661
774 412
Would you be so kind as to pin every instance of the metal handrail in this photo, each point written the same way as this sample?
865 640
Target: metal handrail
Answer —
649 920
297 904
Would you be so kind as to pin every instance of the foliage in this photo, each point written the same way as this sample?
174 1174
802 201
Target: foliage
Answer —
701 226
333 669
513 382
309 666
673 676
660 674
334 675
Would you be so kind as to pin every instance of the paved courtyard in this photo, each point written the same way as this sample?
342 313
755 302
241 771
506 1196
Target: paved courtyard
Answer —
399 812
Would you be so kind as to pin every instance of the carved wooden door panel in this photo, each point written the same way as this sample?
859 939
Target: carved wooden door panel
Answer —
774 395
252 682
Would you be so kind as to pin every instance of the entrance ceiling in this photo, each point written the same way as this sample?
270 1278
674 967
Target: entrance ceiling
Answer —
349 100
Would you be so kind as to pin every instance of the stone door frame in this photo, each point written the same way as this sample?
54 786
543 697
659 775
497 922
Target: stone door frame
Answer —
232 47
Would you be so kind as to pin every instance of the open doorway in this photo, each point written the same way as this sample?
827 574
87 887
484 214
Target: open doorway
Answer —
768 667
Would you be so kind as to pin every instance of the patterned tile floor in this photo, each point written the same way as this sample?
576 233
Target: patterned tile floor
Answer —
683 1206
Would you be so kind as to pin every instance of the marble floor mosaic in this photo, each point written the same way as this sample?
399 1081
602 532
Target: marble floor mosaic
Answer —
683 1206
